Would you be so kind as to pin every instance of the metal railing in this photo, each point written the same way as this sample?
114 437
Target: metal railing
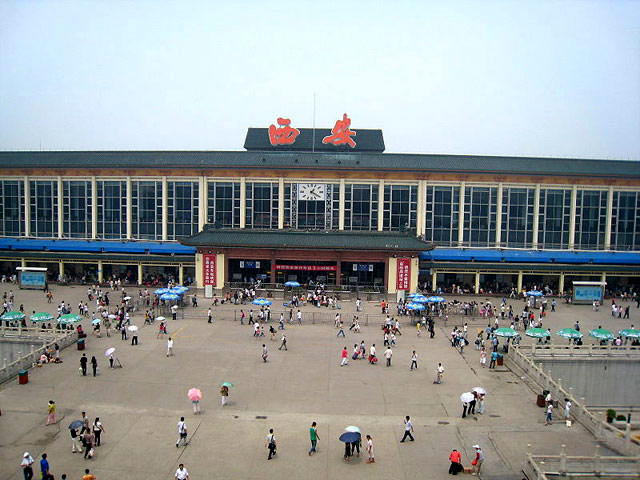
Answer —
554 350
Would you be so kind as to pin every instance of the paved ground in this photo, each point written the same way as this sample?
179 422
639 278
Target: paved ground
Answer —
141 404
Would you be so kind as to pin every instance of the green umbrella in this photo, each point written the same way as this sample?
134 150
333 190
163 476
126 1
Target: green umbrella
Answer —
69 319
227 384
630 333
12 316
537 333
41 317
569 333
506 332
601 334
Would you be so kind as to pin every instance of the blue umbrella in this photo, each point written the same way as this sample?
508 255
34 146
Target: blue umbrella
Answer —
411 295
179 289
534 293
160 291
436 300
261 301
170 296
348 437
291 284
419 299
75 425
415 306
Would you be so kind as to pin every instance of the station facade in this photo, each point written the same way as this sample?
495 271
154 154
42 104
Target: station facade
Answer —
332 181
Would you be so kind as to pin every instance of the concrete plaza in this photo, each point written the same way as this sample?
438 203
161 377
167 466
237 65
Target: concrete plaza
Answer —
141 403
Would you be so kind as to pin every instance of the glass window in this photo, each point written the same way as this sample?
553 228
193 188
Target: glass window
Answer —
591 217
517 217
625 221
554 218
76 208
262 205
12 208
112 209
361 207
306 213
44 208
223 209
480 206
182 209
442 215
146 209
400 204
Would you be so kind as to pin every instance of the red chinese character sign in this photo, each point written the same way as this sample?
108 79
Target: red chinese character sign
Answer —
284 134
341 133
403 277
209 269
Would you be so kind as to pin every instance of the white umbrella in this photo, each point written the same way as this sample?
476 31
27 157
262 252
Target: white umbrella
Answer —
479 390
466 397
162 319
132 328
112 316
352 428
109 351
126 298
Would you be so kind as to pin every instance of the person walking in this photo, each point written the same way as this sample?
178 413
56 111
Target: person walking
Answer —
224 393
299 317
284 342
414 360
182 473
483 357
345 359
209 315
169 347
83 364
313 435
494 359
134 338
98 430
567 409
88 440
477 462
480 404
388 353
408 429
85 423
548 419
182 432
88 475
271 444
26 465
94 365
45 474
51 413
265 353
341 329
371 458
439 373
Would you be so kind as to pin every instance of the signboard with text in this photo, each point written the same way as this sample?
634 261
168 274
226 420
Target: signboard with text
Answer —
34 280
209 267
313 268
403 277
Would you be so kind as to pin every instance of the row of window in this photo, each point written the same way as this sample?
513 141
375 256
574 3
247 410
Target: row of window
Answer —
481 223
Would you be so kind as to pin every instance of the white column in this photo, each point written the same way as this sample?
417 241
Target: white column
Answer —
572 218
140 274
342 195
519 282
60 207
165 209
536 216
380 204
280 203
180 275
61 268
94 208
607 231
434 280
603 277
561 283
202 202
477 283
461 216
27 207
100 272
243 202
129 210
499 216
421 210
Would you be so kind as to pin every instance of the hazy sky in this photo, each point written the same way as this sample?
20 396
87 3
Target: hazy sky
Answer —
548 78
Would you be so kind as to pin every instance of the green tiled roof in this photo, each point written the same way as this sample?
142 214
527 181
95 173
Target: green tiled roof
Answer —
318 239
382 162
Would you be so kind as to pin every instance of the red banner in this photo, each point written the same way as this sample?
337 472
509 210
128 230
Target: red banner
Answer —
403 278
209 268
314 268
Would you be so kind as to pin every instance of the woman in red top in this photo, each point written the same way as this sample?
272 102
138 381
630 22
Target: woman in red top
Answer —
456 466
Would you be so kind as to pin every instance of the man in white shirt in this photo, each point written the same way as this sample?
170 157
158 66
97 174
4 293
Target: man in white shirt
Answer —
169 347
181 473
408 428
209 315
372 353
182 432
388 353
299 317
174 311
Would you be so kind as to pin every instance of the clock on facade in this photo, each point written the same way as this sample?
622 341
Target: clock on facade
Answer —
311 191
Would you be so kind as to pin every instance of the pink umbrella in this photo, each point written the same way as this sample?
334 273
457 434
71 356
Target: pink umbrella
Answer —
194 394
